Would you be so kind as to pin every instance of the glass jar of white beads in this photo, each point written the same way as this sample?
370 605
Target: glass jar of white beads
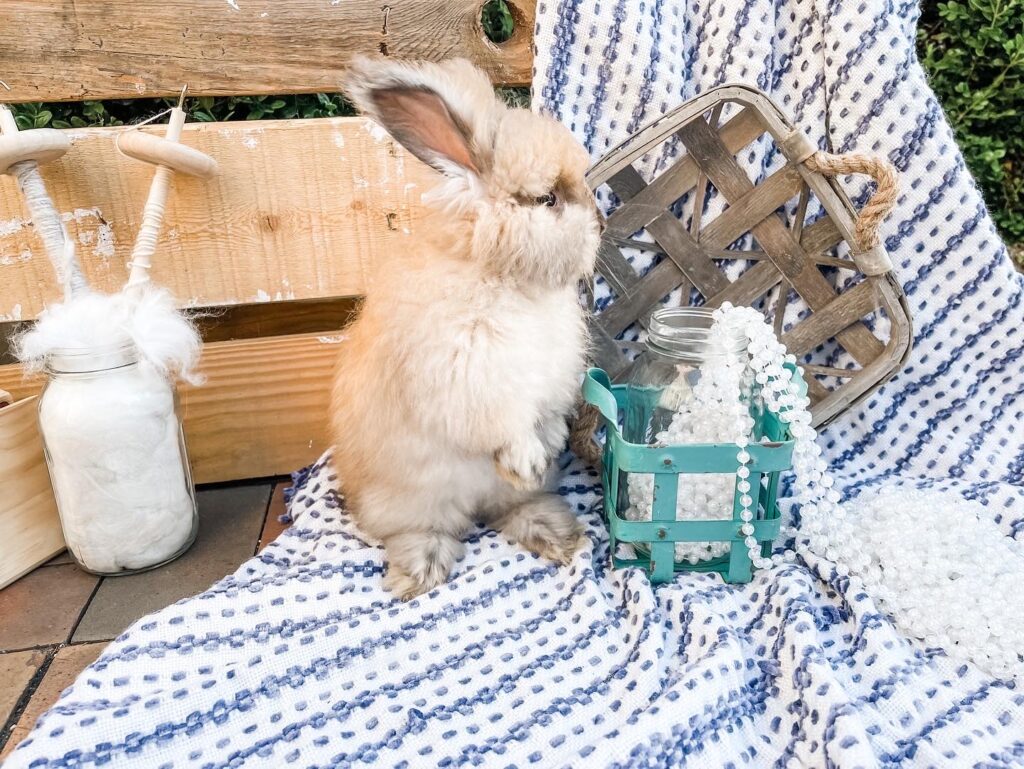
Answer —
116 455
684 388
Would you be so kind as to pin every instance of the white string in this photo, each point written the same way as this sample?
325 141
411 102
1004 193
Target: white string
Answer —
137 126
47 222
149 231
152 216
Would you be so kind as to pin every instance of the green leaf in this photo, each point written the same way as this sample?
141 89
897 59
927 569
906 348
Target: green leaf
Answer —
973 52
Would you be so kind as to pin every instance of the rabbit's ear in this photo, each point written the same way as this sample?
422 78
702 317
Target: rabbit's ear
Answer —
442 113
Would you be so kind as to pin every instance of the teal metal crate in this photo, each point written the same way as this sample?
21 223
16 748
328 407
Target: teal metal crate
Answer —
654 540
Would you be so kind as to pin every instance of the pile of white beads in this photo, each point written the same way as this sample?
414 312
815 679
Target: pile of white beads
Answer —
948 576
706 409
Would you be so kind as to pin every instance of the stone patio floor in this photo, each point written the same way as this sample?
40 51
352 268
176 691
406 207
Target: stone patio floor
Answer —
57 619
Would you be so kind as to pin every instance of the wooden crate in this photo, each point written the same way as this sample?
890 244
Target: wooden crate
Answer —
789 255
259 234
29 528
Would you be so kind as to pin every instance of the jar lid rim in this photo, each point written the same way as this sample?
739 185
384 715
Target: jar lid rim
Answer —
97 349
101 357
685 332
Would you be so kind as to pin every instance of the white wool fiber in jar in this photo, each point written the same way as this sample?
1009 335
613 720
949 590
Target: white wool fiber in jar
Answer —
117 467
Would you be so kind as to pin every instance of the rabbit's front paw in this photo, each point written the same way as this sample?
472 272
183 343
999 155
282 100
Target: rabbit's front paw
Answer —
522 464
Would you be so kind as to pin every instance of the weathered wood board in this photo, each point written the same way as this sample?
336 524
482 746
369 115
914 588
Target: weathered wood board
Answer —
71 50
300 210
29 527
261 412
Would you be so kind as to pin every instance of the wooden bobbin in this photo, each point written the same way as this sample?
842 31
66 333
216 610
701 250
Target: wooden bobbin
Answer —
40 144
160 151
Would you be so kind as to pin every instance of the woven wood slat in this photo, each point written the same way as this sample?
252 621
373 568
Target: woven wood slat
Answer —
750 286
652 199
755 205
849 307
787 254
616 270
675 241
775 238
820 236
635 306
816 391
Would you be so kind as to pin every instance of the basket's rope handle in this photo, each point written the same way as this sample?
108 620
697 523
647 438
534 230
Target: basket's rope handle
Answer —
581 434
881 203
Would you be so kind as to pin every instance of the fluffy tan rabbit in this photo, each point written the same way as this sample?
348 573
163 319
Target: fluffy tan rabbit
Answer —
454 384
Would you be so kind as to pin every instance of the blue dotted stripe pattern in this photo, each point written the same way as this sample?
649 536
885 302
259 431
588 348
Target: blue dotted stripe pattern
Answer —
301 659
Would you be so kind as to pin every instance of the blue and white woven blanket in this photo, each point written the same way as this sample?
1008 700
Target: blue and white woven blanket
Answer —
301 659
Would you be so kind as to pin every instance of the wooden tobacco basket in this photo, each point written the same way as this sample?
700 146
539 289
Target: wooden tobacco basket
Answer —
790 253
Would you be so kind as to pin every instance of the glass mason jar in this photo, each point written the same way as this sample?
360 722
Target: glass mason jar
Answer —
115 451
663 406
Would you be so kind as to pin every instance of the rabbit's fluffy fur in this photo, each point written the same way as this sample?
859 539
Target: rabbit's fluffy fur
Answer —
455 381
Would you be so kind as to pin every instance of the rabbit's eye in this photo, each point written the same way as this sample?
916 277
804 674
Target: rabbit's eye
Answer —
547 200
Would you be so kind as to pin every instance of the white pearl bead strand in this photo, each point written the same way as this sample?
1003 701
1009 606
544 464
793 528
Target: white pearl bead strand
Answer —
948 576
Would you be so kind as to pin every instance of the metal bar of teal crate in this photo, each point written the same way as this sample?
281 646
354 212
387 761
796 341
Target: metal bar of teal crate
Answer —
688 531
666 489
698 457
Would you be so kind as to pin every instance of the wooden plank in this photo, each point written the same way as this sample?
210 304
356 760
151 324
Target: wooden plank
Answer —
262 411
774 237
848 308
244 321
250 321
29 527
301 209
71 50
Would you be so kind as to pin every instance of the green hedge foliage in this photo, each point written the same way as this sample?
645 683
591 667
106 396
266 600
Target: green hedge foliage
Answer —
973 51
